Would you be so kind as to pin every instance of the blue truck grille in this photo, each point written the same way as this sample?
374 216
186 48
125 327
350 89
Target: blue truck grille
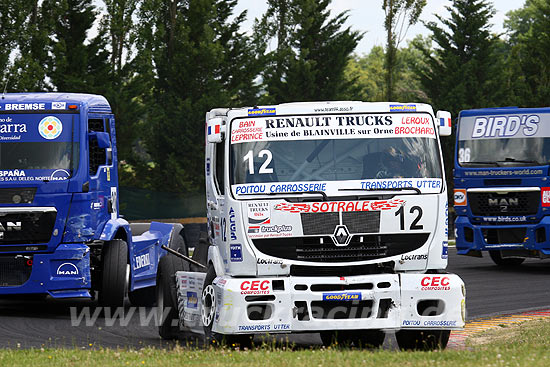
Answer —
26 228
509 203
322 248
14 270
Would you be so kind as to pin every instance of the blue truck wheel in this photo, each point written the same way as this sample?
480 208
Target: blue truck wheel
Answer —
497 258
114 273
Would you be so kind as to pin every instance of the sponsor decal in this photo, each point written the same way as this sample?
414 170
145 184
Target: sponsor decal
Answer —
192 300
67 269
429 323
439 323
414 257
264 327
24 106
259 213
269 262
262 111
497 173
446 220
347 296
59 175
460 197
340 206
545 196
435 283
331 127
402 107
256 287
142 261
208 166
236 253
59 105
263 188
400 183
505 126
411 323
232 225
50 127
445 250
505 219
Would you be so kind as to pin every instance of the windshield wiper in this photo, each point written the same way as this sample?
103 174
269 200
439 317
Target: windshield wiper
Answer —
478 162
416 190
514 160
322 193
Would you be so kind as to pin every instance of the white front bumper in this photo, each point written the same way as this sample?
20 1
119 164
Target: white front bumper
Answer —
309 304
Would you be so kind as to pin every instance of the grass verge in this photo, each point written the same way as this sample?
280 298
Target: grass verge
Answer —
526 344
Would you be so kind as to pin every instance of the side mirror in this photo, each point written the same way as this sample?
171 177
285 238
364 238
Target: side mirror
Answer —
102 137
444 126
215 130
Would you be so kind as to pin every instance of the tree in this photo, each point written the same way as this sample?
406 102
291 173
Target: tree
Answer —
464 70
193 58
368 77
529 59
311 54
28 71
12 17
75 64
399 16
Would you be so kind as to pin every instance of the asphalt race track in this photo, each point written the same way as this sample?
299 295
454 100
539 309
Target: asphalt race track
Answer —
490 290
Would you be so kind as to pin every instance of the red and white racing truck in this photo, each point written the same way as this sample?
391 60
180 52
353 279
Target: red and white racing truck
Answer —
325 217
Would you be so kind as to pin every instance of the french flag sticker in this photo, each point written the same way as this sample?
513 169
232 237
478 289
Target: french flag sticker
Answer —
216 129
445 121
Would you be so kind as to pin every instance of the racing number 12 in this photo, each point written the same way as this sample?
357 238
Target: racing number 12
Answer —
264 167
414 224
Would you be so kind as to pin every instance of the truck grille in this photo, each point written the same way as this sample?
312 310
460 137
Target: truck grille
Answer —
325 223
322 248
14 271
510 203
26 227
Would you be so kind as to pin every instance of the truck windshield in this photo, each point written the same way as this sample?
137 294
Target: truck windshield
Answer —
331 149
37 146
504 140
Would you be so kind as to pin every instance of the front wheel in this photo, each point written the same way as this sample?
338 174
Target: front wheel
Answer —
115 272
497 258
422 339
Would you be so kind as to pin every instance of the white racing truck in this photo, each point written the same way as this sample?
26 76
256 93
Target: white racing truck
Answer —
325 217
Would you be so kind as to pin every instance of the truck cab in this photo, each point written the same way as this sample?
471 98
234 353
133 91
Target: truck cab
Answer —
325 217
502 195
60 230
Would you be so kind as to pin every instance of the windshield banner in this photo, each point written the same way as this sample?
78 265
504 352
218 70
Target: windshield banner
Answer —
529 125
35 127
332 127
21 175
342 188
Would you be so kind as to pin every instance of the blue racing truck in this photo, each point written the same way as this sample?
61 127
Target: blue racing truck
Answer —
60 230
502 186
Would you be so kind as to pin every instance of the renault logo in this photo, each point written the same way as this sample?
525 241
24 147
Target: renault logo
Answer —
341 236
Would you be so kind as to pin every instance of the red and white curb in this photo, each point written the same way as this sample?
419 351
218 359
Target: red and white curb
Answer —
476 326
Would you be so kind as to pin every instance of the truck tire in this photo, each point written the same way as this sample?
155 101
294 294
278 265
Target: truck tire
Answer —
208 314
504 261
114 279
422 339
166 295
367 339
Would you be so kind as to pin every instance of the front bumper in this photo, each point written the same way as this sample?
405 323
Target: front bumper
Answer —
65 273
309 304
474 237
